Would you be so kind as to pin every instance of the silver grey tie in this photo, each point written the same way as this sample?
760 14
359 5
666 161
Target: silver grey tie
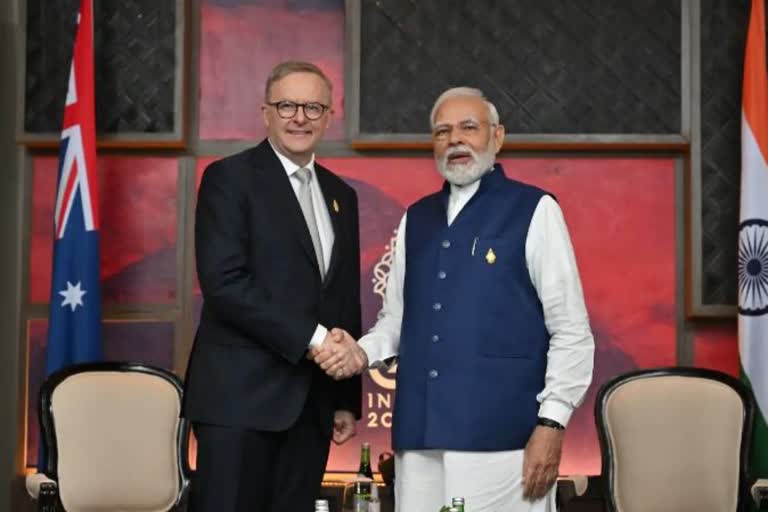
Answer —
305 200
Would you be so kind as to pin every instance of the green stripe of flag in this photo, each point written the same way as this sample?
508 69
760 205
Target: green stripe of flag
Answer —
758 467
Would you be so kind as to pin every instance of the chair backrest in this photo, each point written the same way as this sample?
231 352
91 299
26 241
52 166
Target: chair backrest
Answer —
113 436
674 439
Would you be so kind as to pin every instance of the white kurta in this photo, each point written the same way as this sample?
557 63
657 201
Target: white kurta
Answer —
490 481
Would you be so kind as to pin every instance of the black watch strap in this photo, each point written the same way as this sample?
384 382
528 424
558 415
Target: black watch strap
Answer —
546 422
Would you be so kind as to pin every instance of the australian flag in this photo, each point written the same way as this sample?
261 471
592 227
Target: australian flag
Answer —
74 331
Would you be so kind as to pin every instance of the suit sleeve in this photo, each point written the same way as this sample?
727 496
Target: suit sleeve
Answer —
229 289
349 392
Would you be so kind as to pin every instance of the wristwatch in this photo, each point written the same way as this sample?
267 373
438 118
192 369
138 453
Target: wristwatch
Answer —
546 422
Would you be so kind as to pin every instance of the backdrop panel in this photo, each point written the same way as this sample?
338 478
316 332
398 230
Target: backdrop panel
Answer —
138 202
139 66
551 67
723 32
621 216
242 40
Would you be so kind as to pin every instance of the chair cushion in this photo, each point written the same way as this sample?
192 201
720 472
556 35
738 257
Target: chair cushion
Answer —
116 435
676 443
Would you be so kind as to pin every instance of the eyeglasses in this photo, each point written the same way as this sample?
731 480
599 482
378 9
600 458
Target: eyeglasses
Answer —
287 109
466 128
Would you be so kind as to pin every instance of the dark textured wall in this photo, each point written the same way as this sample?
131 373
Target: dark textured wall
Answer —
550 66
135 62
723 35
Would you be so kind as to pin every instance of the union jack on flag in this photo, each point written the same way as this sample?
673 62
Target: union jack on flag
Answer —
74 329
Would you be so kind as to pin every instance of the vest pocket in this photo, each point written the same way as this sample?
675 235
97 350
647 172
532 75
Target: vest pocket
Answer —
503 327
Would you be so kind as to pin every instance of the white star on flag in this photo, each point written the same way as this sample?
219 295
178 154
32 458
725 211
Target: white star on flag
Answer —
73 296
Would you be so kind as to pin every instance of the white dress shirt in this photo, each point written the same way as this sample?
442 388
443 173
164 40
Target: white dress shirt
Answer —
322 217
552 268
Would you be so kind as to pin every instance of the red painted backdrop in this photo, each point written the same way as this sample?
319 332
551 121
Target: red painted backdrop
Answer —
621 216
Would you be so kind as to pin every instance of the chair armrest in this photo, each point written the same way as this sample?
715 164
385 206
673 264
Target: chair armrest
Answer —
760 491
576 483
36 481
43 490
571 488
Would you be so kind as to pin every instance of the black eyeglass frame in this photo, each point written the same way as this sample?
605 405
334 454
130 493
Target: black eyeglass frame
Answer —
295 108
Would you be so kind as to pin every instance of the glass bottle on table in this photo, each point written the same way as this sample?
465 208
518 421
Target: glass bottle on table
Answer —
362 493
365 461
458 503
361 496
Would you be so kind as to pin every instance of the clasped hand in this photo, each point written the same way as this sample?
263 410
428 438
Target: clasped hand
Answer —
339 355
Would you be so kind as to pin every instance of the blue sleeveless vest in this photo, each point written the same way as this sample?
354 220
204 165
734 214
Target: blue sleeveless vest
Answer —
473 346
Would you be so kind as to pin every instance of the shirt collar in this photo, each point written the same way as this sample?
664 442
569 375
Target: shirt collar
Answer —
288 164
458 193
453 192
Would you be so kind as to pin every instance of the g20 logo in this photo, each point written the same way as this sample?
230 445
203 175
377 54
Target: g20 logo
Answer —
385 378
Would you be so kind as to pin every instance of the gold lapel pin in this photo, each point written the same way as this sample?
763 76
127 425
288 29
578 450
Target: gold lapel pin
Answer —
336 206
490 257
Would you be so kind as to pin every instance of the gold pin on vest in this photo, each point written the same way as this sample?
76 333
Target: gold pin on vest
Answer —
490 257
335 206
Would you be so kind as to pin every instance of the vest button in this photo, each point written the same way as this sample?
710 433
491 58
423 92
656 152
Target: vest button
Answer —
441 275
437 306
435 338
433 374
446 244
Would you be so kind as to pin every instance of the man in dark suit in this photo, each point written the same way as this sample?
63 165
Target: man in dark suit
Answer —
278 260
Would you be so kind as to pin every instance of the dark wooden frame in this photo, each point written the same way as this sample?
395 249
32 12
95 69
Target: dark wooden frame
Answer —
177 139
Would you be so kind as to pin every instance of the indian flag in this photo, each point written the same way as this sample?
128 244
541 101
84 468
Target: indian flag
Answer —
753 232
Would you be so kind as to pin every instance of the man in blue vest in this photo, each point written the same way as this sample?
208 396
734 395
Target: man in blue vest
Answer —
485 311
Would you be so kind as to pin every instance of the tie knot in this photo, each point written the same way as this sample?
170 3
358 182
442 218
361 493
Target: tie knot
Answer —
304 175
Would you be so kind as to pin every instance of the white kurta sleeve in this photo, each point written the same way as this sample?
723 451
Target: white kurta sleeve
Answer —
383 340
552 268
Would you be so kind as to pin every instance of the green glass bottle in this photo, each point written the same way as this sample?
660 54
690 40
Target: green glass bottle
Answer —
458 503
365 461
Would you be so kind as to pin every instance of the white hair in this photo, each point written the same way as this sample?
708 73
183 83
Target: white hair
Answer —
456 92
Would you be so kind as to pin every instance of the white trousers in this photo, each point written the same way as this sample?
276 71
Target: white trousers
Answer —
425 480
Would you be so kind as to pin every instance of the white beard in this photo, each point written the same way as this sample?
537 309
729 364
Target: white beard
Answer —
464 174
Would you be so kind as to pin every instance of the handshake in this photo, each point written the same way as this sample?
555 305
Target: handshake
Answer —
339 355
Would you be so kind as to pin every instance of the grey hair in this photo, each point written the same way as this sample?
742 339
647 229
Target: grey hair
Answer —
456 92
294 66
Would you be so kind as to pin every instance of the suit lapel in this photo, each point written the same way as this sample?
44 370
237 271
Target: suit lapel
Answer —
284 202
335 211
